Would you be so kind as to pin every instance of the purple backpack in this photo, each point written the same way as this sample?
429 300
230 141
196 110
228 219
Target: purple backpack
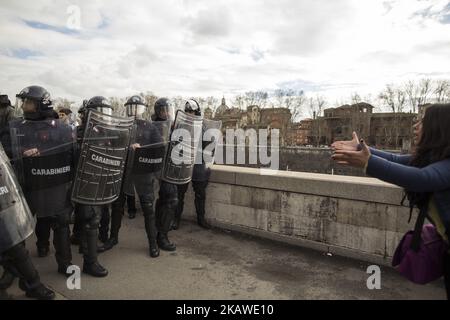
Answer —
422 262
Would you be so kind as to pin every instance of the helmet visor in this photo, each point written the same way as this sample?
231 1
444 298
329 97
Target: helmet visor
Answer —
28 105
105 110
166 113
135 110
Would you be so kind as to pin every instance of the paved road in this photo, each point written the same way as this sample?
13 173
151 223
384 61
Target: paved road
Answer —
223 265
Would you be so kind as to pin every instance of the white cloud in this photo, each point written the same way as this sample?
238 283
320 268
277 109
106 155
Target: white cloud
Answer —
193 48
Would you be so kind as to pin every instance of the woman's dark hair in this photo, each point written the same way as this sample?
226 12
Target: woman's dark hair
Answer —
434 144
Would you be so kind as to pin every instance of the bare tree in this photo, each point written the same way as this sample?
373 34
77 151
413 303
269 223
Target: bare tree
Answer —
177 102
411 91
118 105
258 98
297 105
424 91
239 101
442 91
315 107
393 98
355 98
60 103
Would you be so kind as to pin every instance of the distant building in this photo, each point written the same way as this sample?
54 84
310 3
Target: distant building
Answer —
255 118
299 133
382 130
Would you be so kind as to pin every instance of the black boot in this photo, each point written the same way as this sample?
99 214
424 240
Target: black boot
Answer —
116 222
104 224
63 251
108 245
166 214
6 280
150 229
200 208
176 222
43 231
29 277
40 292
43 251
153 248
91 265
164 243
131 206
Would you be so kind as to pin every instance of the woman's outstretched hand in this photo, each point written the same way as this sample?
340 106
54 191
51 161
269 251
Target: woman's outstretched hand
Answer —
350 156
351 145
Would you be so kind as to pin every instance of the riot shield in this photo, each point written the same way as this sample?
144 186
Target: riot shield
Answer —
148 149
102 159
16 221
211 135
183 146
43 159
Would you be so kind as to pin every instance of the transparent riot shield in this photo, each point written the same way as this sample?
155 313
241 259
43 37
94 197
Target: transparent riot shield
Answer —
148 150
102 159
16 220
183 145
43 159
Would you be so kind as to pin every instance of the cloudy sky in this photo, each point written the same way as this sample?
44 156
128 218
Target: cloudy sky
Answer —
220 47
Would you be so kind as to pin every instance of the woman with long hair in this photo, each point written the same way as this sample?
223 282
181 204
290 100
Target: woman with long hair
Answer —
425 174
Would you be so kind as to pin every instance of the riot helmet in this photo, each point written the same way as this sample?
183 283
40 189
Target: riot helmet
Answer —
135 107
100 104
4 101
191 106
164 110
34 101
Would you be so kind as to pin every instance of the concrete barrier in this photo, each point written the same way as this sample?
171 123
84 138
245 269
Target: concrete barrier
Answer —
356 217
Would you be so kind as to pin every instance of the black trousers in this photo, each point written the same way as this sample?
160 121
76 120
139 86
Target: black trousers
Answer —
131 204
103 225
61 236
199 201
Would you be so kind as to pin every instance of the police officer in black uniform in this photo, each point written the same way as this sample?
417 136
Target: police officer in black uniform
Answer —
200 177
146 134
167 202
46 140
16 225
103 229
6 111
89 216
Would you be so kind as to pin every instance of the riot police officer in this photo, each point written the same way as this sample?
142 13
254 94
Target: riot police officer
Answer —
144 162
88 217
167 202
103 229
6 115
16 225
43 149
6 111
200 179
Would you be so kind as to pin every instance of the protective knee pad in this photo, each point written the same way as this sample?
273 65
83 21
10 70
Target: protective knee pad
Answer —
92 220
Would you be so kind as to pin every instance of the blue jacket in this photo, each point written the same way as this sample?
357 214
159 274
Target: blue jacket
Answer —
434 178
